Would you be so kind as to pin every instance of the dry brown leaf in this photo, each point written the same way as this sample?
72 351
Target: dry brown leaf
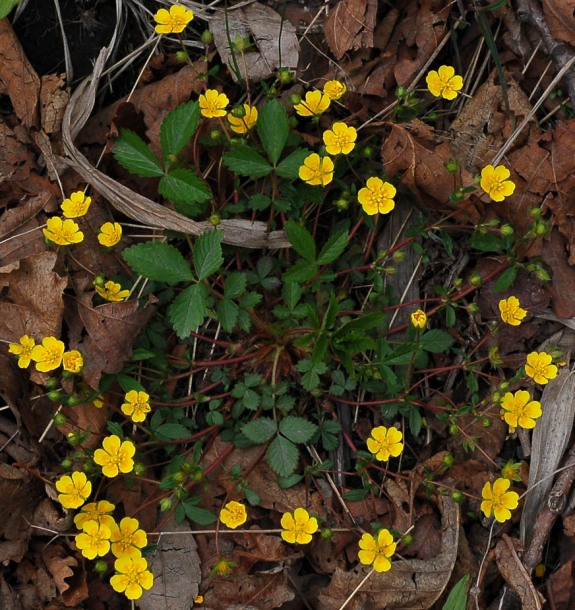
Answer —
275 41
350 26
562 277
64 567
53 99
561 587
560 17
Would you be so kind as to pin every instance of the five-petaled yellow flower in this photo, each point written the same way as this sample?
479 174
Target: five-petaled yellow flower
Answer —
115 456
132 577
334 89
127 538
539 367
511 313
243 124
137 405
376 197
173 21
377 551
72 361
100 512
23 349
213 104
419 318
314 104
48 354
316 170
93 540
112 291
74 490
498 501
444 82
299 527
62 232
385 442
340 139
76 205
233 514
495 183
110 234
520 410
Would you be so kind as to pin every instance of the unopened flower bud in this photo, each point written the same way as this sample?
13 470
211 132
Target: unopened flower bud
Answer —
182 56
207 37
457 496
475 279
506 230
452 166
285 76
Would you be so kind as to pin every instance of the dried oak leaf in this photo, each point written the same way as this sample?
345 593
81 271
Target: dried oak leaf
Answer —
69 577
560 17
563 275
561 586
350 26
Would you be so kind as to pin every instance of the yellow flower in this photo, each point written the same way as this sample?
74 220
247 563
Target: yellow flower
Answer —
385 442
316 170
377 196
314 104
127 538
62 232
498 501
93 540
77 205
334 89
444 82
223 567
72 361
133 576
48 355
539 367
494 182
111 291
419 318
23 349
174 21
213 104
299 527
110 234
95 511
116 456
74 490
136 405
511 313
340 139
199 599
243 124
377 551
519 410
233 514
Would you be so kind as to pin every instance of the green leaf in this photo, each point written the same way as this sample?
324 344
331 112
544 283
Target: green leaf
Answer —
171 432
273 129
415 421
115 428
198 515
291 293
6 7
188 310
329 431
227 312
184 187
260 430
208 253
131 152
297 429
486 242
128 383
289 167
301 272
287 482
312 371
235 284
159 261
457 599
506 279
355 495
333 248
436 341
301 240
245 161
177 129
282 456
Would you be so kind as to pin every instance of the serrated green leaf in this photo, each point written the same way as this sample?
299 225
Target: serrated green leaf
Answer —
291 293
333 248
245 161
171 432
301 240
235 284
486 242
251 299
287 482
115 428
355 495
457 599
188 310
273 129
297 429
506 279
282 456
128 383
260 430
184 187
227 312
436 341
208 253
131 152
159 261
177 129
198 515
289 167
301 272
362 322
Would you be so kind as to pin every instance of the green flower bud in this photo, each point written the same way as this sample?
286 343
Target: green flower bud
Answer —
540 228
74 438
542 275
457 496
408 539
486 422
535 213
165 504
54 396
452 166
52 383
448 460
89 467
67 464
99 280
454 430
401 92
182 57
472 308
504 386
207 37
285 77
239 112
341 204
215 135
431 117
73 400
475 279
399 256
215 220
179 477
326 533
506 230
101 567
496 398
295 99
139 469
367 152
59 419
292 122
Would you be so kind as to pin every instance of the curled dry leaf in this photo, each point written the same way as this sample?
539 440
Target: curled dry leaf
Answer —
350 26
64 567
